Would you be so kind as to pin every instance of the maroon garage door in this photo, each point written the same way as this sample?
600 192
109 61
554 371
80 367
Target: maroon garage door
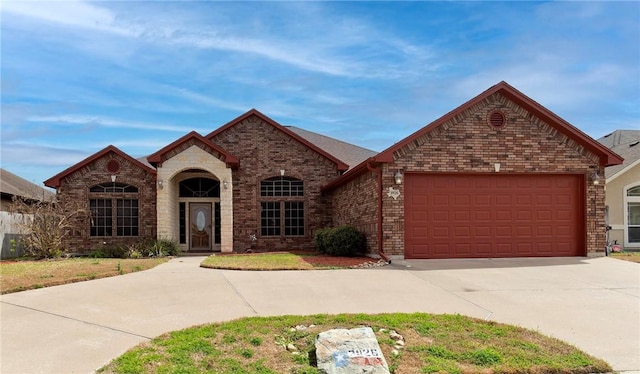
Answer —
474 215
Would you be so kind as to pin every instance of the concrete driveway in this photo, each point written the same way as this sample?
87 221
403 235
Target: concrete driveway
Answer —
591 303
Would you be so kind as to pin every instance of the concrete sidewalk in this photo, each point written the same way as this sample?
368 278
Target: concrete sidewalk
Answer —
591 303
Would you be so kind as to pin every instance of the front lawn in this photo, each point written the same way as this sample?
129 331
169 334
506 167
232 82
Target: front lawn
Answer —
627 256
283 261
284 344
25 275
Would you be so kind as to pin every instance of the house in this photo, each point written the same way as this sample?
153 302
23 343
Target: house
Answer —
12 186
500 176
623 188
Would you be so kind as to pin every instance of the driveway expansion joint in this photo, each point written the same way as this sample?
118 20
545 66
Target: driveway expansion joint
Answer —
78 320
240 295
490 312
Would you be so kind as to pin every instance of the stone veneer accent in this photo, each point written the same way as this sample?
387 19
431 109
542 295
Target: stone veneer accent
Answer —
263 151
75 187
193 157
467 144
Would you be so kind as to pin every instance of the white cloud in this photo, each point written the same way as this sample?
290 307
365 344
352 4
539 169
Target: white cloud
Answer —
29 154
78 119
71 13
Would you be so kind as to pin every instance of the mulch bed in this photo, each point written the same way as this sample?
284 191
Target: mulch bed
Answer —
321 260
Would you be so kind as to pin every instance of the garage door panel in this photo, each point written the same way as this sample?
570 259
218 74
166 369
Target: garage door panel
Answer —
503 232
484 249
503 200
482 200
441 232
493 215
441 249
503 215
524 232
482 232
441 200
482 215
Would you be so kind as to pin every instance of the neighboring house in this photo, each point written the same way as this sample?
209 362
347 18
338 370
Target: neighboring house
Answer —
12 186
500 176
623 188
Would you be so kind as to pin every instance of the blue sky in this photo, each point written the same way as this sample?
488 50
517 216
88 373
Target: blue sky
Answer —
78 76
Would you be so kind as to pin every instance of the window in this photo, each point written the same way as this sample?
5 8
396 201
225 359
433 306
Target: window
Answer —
281 209
183 223
127 217
281 186
633 211
113 188
101 217
270 218
200 187
633 216
633 191
111 214
293 218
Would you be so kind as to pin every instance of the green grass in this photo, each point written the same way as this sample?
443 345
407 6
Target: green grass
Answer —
262 261
433 344
266 261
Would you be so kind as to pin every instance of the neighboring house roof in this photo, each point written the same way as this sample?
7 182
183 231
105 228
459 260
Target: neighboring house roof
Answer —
13 185
225 156
626 143
54 181
607 157
350 154
340 165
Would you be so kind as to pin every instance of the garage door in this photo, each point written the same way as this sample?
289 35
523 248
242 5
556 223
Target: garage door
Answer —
475 215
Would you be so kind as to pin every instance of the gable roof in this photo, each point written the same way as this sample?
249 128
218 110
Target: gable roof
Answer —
607 157
228 158
54 181
340 165
626 143
13 185
350 154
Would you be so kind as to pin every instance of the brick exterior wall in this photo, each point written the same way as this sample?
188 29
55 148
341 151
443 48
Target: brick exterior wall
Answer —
263 151
75 187
467 144
356 204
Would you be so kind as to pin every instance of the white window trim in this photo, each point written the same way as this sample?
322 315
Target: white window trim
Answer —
627 200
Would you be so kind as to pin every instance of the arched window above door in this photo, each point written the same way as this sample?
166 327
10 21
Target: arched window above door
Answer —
200 187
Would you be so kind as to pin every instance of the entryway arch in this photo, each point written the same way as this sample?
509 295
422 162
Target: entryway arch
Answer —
195 188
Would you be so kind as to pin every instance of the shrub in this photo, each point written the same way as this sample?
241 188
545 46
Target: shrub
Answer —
147 247
164 247
340 241
320 239
110 251
45 223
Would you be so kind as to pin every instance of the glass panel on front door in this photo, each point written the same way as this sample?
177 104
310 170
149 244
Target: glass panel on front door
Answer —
200 214
633 222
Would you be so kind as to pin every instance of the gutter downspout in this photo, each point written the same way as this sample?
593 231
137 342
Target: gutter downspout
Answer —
379 172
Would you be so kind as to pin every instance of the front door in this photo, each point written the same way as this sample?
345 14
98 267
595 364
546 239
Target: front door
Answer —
200 227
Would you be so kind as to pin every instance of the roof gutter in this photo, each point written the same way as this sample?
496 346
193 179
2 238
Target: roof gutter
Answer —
379 173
